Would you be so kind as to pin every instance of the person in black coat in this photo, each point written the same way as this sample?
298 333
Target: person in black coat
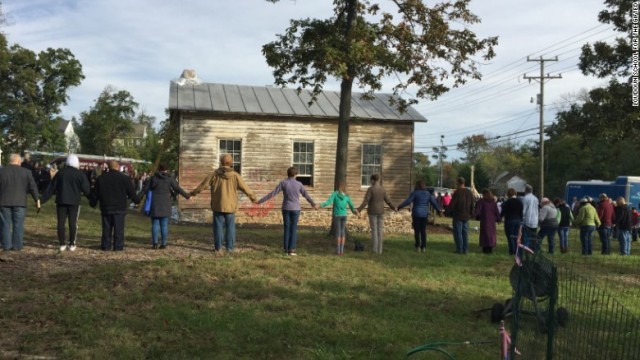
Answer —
112 190
513 213
161 186
15 183
68 185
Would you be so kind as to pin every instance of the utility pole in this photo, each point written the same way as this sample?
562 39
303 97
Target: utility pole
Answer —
541 80
441 149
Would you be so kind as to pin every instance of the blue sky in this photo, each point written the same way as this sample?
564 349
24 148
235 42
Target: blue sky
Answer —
141 45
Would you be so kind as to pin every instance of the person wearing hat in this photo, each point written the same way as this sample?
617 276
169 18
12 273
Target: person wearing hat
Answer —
587 220
68 185
606 213
548 217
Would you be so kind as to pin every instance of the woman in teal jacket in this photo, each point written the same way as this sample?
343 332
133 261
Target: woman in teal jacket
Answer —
340 200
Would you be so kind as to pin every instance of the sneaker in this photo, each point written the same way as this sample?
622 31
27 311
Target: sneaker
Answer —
72 248
63 247
163 246
293 253
154 246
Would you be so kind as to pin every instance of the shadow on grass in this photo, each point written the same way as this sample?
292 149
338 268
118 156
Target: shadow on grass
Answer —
222 308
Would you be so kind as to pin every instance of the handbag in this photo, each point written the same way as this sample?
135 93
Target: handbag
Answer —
147 203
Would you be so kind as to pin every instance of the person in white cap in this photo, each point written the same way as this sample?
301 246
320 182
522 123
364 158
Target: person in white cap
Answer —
68 185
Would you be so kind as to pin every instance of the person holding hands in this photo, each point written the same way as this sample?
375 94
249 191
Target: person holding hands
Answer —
374 200
224 183
340 200
419 200
291 190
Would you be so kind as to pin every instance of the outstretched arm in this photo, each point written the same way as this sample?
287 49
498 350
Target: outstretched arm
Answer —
329 200
176 188
203 184
408 201
365 201
273 193
245 189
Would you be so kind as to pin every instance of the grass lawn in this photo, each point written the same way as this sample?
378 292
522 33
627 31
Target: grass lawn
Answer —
186 302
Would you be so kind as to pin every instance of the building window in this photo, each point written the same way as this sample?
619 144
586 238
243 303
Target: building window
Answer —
233 148
303 160
371 162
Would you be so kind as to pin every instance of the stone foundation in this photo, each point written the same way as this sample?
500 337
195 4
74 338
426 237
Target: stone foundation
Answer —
394 222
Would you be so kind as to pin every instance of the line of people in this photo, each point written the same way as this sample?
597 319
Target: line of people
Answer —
545 219
113 191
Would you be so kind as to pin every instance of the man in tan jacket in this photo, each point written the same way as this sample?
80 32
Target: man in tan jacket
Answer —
224 183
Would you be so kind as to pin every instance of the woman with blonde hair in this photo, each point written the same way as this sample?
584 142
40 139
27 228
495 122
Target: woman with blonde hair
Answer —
340 200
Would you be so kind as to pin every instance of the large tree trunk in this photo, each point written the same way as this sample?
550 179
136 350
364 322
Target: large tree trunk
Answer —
342 148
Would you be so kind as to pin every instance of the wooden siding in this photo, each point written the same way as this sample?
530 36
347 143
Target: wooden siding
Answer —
267 148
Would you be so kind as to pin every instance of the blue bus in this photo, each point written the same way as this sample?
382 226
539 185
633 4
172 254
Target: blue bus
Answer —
625 186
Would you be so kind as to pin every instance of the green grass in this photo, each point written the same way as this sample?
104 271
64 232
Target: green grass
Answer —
188 303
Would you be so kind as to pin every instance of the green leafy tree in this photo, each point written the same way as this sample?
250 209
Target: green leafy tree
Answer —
596 138
473 146
422 169
481 179
423 47
602 59
33 88
111 118
164 146
608 114
502 157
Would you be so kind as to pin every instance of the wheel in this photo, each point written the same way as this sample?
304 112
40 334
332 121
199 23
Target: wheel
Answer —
562 316
508 305
497 312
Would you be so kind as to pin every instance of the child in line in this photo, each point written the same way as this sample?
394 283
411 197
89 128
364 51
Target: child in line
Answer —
340 200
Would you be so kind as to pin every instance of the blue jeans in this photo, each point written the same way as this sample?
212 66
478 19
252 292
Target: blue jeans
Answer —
624 238
290 220
161 225
586 238
550 233
511 231
530 237
563 234
224 225
460 235
419 225
12 216
605 238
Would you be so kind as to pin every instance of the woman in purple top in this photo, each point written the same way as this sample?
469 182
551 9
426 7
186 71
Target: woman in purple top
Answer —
291 190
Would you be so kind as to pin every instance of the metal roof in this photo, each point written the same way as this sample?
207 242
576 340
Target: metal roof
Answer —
264 100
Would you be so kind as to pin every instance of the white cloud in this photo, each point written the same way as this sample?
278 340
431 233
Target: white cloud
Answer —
140 45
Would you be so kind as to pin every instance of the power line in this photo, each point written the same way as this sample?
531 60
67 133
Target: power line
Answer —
449 99
518 62
488 138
